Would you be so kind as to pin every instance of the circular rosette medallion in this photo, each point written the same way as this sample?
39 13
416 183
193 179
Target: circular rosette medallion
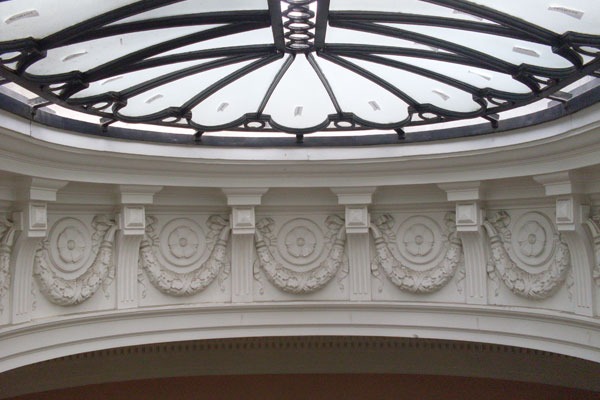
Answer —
182 242
70 244
300 241
533 239
419 239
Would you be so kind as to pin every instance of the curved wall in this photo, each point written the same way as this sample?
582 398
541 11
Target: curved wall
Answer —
492 239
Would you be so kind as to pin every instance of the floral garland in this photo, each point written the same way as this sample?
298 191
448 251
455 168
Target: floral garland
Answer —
190 283
522 283
303 282
67 292
403 276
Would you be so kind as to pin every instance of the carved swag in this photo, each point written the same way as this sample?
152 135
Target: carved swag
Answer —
67 292
539 285
187 284
404 276
300 282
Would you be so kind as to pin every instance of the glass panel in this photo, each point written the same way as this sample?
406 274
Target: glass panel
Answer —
559 16
85 56
508 49
195 6
238 98
40 18
418 7
364 98
121 82
422 89
254 37
348 36
478 77
300 100
176 93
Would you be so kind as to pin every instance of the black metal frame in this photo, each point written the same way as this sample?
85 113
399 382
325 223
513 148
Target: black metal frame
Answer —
584 97
60 88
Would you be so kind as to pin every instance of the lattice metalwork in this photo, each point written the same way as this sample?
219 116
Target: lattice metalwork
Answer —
297 66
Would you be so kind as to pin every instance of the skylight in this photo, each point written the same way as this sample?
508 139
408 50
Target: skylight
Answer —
297 66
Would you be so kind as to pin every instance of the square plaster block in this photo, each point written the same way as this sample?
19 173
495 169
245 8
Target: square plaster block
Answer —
357 219
242 220
38 217
565 211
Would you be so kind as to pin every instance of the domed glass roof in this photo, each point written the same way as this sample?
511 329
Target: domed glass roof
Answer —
298 66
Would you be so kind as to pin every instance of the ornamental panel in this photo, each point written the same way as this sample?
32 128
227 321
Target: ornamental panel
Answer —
300 258
71 248
538 246
70 244
181 260
419 257
182 242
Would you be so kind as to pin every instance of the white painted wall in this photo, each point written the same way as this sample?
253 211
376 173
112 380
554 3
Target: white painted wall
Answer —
119 243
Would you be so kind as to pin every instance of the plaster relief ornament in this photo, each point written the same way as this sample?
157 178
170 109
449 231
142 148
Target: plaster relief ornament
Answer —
70 245
535 245
185 245
421 244
181 242
593 224
532 239
300 242
419 240
7 232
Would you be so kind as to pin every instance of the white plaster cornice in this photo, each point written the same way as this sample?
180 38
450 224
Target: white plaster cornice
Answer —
557 146
545 330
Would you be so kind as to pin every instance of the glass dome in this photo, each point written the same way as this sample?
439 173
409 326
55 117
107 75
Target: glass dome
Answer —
360 72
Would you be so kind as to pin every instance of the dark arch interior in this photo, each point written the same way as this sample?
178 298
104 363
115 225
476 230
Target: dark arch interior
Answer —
308 367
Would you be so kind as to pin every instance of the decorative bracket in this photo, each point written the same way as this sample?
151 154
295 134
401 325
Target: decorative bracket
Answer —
243 226
31 224
38 189
469 219
132 226
356 202
571 211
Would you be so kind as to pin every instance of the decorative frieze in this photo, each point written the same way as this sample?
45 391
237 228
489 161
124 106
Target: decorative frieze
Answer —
311 252
404 256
